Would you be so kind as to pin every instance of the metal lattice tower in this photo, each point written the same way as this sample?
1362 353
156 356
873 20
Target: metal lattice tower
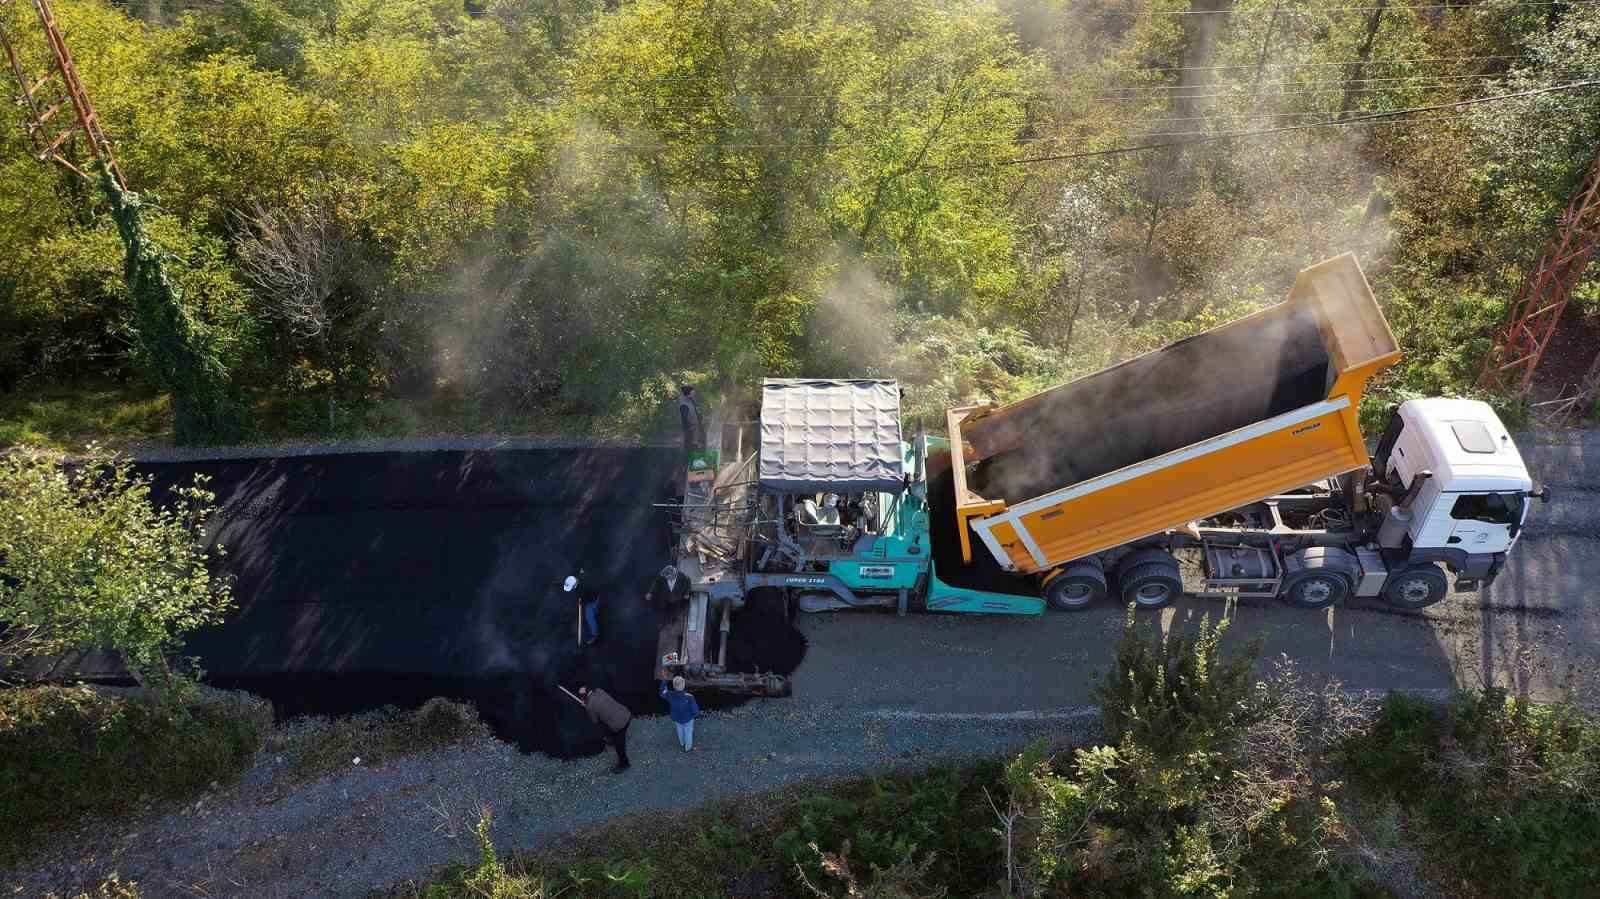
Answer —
58 90
1531 322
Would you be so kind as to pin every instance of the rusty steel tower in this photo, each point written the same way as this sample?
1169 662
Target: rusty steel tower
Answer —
54 103
1531 321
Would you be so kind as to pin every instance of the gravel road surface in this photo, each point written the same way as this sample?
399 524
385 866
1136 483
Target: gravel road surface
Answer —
873 691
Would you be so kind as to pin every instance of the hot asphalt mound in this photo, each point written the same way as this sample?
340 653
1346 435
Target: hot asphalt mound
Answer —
383 579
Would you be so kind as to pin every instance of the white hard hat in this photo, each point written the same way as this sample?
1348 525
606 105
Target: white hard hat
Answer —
570 584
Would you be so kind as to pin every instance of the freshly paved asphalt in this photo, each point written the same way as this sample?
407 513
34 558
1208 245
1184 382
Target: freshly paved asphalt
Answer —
366 579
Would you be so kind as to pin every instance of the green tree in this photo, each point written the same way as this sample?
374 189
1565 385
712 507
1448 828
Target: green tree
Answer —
88 560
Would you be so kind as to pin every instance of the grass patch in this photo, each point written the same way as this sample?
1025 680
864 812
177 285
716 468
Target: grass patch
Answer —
71 752
318 746
65 418
936 821
307 418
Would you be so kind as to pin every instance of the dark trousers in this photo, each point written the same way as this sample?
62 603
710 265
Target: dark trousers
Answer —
619 742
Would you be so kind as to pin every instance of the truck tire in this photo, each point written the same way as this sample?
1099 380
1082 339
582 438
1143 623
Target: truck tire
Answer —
1315 589
1079 586
1416 588
1150 585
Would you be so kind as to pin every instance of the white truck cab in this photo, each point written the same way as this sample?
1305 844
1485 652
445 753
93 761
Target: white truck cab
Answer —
1466 486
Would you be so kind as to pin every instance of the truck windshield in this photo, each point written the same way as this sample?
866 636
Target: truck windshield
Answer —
1494 508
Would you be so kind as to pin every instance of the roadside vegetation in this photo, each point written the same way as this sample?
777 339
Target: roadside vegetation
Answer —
1215 782
75 753
69 753
95 572
417 217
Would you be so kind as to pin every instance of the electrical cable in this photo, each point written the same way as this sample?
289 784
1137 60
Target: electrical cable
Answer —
1114 151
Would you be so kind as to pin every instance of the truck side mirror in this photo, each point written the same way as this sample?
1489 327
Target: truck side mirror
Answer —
1542 494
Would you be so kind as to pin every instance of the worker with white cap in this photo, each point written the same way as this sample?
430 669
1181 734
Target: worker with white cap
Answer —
589 602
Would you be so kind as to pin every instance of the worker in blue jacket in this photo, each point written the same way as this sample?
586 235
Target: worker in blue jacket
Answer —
684 710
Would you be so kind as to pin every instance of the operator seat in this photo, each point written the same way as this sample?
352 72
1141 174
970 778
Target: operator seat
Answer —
819 521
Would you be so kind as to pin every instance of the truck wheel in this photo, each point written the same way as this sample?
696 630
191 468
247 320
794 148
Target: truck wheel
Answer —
1150 585
1315 589
1416 588
1081 585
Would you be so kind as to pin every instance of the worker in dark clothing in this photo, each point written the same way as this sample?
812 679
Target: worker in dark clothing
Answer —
613 717
670 586
694 430
588 609
591 616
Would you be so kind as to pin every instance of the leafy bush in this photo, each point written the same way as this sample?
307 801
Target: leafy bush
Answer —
67 752
89 561
1175 694
895 823
1508 791
488 878
1217 785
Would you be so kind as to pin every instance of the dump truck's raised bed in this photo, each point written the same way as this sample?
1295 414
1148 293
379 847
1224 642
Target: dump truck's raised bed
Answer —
1262 405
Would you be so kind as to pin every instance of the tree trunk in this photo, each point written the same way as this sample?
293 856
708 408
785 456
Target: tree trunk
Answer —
1072 317
1261 58
1358 68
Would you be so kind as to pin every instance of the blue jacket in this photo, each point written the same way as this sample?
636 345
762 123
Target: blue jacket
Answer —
684 706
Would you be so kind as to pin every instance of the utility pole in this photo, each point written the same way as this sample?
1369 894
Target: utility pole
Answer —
58 90
1531 321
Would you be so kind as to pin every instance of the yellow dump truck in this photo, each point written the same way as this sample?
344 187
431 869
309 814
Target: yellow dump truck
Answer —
1241 444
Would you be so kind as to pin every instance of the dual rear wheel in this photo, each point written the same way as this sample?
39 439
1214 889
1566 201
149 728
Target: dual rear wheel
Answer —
1147 578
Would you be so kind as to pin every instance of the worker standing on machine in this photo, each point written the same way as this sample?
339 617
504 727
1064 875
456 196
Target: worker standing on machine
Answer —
670 585
694 429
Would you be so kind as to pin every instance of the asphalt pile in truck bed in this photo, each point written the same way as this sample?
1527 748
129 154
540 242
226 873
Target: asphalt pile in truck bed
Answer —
1193 390
378 579
984 573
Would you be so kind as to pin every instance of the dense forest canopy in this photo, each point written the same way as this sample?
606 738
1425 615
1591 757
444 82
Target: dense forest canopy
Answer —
561 206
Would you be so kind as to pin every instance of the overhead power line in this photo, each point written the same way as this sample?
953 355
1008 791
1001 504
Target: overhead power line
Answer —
1113 93
1424 76
1485 7
637 80
1224 135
